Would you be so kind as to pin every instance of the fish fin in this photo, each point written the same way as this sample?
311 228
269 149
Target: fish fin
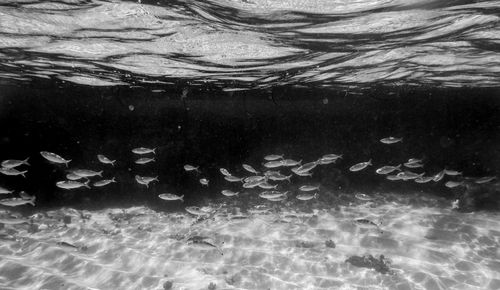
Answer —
23 174
370 162
182 198
32 201
398 167
156 178
100 173
66 163
25 161
154 150
87 184
113 163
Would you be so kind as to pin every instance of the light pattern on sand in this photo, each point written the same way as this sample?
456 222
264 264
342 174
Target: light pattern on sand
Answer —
430 246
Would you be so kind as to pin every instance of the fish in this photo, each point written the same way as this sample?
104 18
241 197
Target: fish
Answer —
393 177
413 164
438 176
194 210
86 172
249 169
14 221
360 166
280 177
367 224
424 179
254 183
13 172
414 160
231 178
171 196
363 197
281 198
407 175
307 196
291 162
273 157
305 168
224 172
323 161
5 191
455 204
54 158
71 184
453 184
72 176
451 172
143 150
229 193
104 182
272 194
204 181
188 168
273 164
332 156
254 178
144 160
265 185
305 173
11 163
203 242
15 201
308 188
391 140
387 169
485 179
105 160
145 180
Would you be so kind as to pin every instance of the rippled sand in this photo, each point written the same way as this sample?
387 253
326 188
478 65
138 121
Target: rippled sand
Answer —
430 247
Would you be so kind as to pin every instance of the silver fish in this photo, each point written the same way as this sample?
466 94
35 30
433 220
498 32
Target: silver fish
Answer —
393 177
144 160
281 198
254 183
413 165
424 179
171 196
438 176
105 160
104 182
249 169
231 178
307 196
453 184
86 172
363 197
13 172
304 173
452 172
407 175
360 166
485 179
15 201
273 157
391 140
305 168
367 224
272 194
273 164
145 180
11 163
325 161
143 150
229 193
204 181
332 156
224 172
71 184
280 177
254 178
387 169
203 242
188 168
265 185
72 176
291 162
5 190
308 188
54 158
414 160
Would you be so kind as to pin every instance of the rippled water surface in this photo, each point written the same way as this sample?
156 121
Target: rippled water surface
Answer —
428 246
252 43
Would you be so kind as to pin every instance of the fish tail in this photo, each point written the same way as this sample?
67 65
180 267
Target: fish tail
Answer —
398 167
182 198
66 163
23 174
32 201
87 184
370 162
113 179
154 150
25 161
156 179
100 173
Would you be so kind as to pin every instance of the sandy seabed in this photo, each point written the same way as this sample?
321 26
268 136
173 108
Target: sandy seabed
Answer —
429 246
